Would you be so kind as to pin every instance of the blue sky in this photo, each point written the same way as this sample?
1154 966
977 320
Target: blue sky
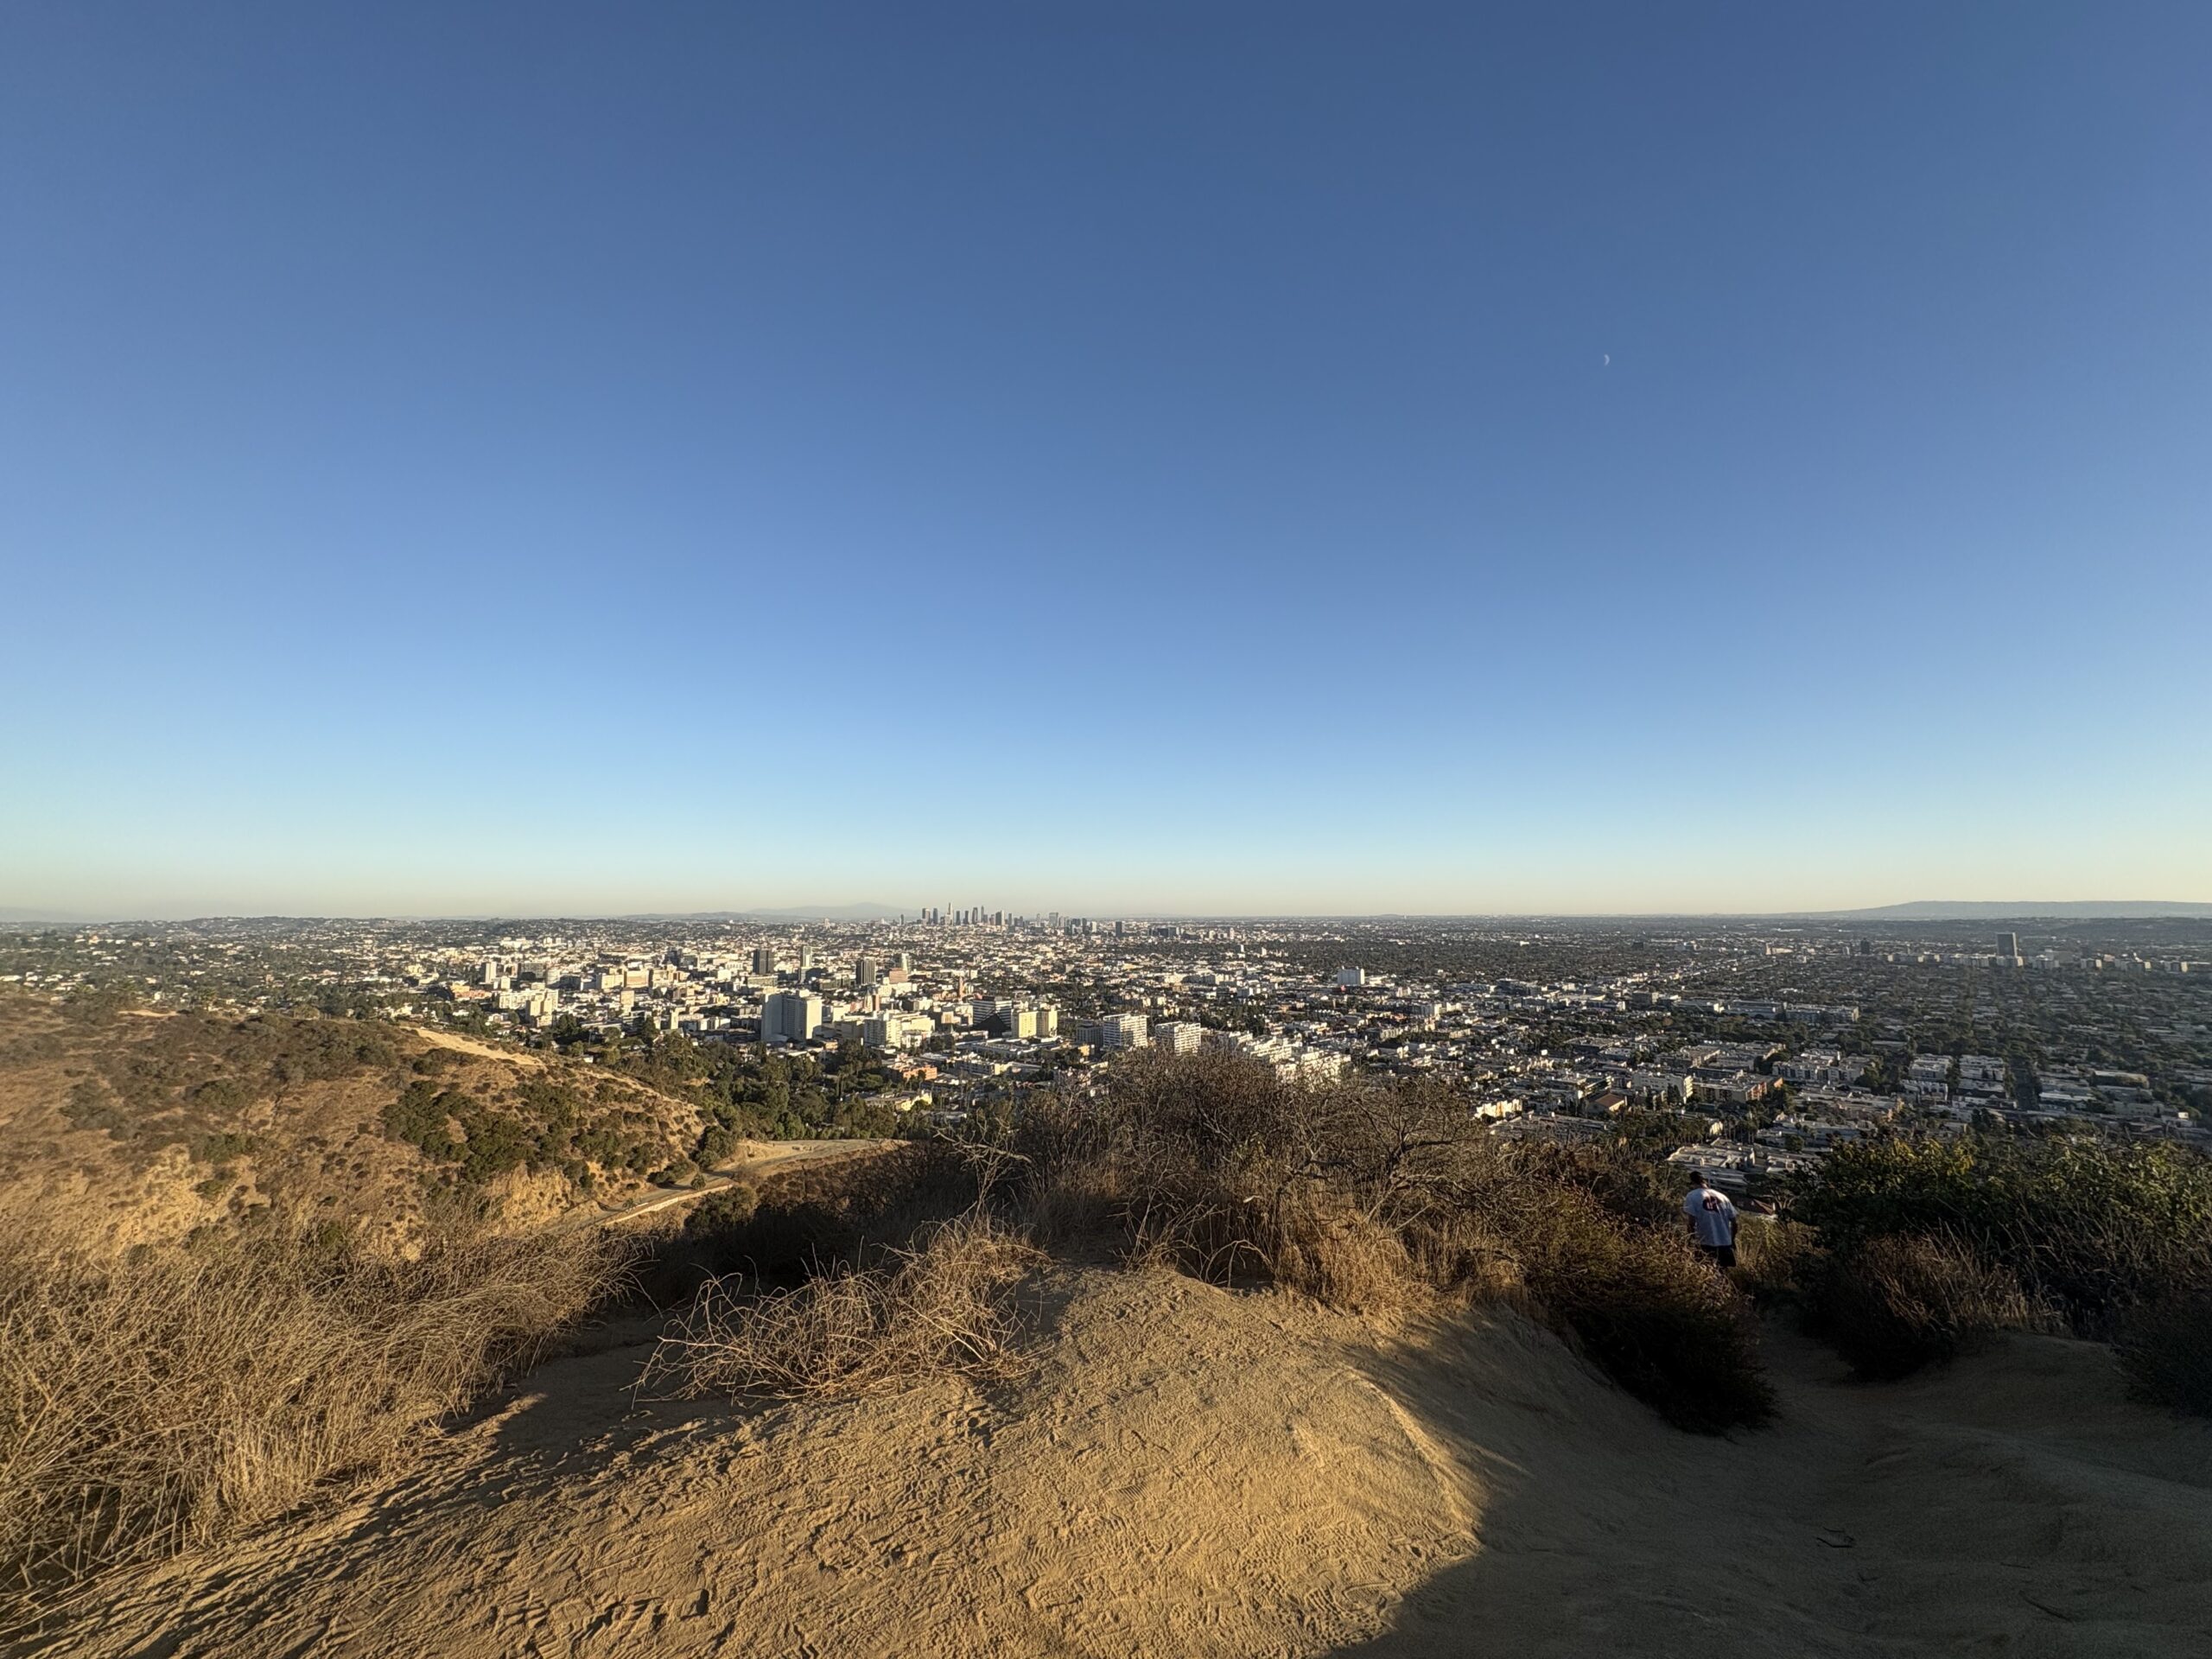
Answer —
556 459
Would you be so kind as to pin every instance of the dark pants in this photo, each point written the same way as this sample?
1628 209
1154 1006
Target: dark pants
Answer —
1724 1255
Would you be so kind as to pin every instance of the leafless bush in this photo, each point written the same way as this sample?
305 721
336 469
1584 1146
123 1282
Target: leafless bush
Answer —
944 1307
186 1394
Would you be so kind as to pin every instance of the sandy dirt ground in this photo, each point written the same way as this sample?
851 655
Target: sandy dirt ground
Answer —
439 1037
1190 1472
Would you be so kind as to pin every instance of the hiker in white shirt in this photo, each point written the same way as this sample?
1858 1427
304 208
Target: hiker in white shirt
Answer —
1712 1221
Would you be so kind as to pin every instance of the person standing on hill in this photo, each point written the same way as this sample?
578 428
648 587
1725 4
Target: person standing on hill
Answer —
1712 1221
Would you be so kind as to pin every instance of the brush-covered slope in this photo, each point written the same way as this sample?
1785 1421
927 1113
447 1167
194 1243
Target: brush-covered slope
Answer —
129 1127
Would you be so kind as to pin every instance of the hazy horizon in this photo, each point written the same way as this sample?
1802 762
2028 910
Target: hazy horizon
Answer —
1242 459
1961 910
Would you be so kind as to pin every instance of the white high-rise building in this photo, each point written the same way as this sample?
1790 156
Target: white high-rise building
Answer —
790 1015
1119 1031
1177 1036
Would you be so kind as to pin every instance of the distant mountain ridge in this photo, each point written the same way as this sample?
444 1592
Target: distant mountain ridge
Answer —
1973 910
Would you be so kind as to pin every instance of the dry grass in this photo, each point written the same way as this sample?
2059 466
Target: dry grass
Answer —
945 1307
186 1394
2166 1346
1371 1198
1894 1304
1647 1309
1340 1255
1774 1259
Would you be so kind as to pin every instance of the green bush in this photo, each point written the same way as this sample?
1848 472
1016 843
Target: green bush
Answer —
2086 1226
721 1211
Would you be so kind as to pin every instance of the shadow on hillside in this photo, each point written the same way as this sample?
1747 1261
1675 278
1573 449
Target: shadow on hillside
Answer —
1598 1530
2016 1502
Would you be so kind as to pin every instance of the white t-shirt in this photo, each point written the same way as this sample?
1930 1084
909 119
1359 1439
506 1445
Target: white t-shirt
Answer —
1714 1216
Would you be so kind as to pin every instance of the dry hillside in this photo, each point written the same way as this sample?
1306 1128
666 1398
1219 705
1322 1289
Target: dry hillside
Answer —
1413 1391
1190 1472
132 1127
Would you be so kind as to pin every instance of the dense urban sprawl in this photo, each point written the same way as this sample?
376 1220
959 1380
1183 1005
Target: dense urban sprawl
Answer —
1754 1048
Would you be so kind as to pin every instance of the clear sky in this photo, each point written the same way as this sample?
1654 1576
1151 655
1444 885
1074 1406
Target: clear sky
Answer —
544 458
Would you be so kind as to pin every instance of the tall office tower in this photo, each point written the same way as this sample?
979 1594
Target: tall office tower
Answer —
764 959
864 971
806 958
2008 944
792 1015
903 962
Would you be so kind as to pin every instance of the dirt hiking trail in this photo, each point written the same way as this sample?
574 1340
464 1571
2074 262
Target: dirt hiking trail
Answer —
1191 1472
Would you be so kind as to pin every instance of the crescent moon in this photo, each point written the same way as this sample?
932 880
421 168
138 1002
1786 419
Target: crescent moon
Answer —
1609 359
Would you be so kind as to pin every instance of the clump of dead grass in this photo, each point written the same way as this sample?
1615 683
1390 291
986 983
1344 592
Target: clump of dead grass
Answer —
945 1307
1897 1303
185 1394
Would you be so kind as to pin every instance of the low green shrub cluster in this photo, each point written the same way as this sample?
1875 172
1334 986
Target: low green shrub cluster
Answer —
548 1125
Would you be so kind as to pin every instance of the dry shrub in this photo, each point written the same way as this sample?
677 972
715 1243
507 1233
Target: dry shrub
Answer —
186 1394
1895 1303
2166 1346
1776 1261
946 1307
1367 1196
806 1215
1648 1310
1338 1255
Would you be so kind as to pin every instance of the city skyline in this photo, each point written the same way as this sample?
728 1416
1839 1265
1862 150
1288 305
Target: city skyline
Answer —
1255 460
